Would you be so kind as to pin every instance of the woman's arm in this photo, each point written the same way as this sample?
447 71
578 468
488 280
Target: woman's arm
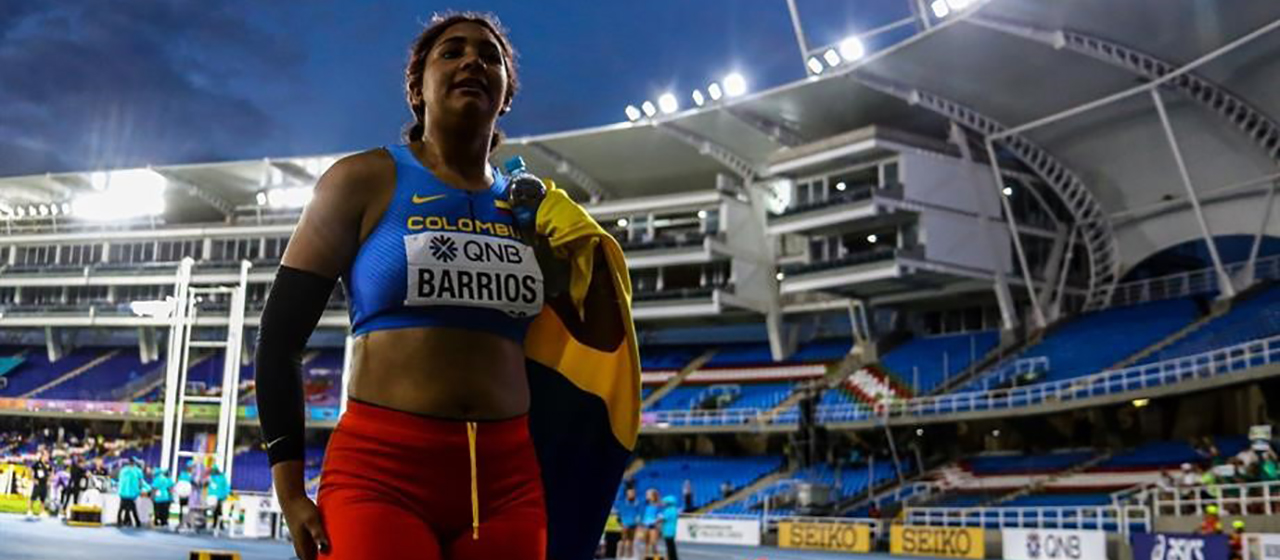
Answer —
601 325
322 246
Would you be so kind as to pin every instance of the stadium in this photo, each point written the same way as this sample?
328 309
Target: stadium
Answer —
881 312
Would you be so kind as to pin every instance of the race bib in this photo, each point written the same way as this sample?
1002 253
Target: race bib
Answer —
452 268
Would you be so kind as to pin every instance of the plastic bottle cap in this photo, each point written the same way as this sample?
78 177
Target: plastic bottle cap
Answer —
514 165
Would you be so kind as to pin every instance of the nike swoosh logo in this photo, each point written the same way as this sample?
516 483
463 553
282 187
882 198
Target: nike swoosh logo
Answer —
425 199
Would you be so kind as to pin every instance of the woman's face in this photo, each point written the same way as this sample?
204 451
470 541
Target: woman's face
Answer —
465 75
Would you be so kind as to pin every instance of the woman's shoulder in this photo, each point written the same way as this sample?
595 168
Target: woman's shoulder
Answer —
362 166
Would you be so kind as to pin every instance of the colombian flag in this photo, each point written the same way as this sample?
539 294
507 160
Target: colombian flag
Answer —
585 414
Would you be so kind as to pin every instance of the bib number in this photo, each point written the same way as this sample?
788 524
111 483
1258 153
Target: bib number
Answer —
451 268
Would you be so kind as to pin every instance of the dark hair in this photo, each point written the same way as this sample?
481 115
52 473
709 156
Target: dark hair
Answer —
418 62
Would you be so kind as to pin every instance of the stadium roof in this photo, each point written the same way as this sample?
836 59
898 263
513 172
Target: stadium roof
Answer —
1006 59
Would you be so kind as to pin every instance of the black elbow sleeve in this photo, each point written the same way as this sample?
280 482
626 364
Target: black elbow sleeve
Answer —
294 305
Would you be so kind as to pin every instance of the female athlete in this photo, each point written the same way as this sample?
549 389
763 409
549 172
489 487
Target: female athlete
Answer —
432 458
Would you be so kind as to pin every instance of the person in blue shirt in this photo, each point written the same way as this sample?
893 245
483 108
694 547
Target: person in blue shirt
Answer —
161 495
219 489
628 515
129 486
670 515
649 522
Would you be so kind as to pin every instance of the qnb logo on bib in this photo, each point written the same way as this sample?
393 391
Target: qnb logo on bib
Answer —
450 268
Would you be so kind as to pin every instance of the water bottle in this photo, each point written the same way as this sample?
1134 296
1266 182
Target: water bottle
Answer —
525 192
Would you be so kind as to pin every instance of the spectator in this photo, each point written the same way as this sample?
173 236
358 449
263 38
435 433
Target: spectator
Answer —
726 489
874 511
687 490
78 482
161 497
1236 543
1190 477
670 517
1270 470
129 487
1211 524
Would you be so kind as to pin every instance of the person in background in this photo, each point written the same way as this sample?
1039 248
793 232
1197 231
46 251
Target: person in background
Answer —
129 486
670 516
40 483
219 489
78 480
628 514
1236 542
161 496
687 490
1270 469
649 524
1211 524
726 489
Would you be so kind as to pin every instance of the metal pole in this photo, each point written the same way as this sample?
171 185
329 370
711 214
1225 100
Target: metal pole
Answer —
1224 281
173 364
1250 269
1037 313
1066 270
799 29
924 14
1008 312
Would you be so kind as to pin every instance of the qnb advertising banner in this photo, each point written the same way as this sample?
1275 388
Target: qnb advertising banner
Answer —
1261 547
843 537
1037 544
1167 546
718 531
947 542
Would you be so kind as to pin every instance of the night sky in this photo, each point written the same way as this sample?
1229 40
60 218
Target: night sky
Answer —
93 84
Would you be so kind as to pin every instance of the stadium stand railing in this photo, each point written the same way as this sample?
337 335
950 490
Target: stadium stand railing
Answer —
1183 284
1216 363
1121 519
1255 498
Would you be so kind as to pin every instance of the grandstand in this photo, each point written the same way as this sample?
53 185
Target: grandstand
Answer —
1015 269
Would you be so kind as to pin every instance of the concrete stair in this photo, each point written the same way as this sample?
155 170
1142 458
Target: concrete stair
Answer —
678 378
71 374
746 491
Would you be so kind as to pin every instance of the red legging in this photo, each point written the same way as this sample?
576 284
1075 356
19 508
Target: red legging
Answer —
399 485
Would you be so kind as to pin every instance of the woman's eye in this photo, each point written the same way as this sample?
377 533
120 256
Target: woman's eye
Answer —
451 53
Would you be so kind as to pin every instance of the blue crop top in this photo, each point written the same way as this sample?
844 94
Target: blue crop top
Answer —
444 257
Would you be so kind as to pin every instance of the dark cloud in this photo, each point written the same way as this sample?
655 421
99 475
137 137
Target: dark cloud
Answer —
105 84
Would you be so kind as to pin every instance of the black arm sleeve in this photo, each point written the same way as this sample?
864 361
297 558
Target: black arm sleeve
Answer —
294 306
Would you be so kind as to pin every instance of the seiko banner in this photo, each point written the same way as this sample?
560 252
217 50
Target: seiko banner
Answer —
1037 544
949 542
1165 546
844 537
1261 547
718 531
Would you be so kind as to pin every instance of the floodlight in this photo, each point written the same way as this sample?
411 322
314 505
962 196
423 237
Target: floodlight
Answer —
44 209
872 238
66 208
633 114
940 9
649 109
734 85
779 275
668 103
841 186
852 49
832 58
702 214
698 99
261 197
1008 191
957 5
815 65
714 91
622 222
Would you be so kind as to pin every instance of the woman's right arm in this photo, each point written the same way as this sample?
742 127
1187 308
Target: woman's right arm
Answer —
321 247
